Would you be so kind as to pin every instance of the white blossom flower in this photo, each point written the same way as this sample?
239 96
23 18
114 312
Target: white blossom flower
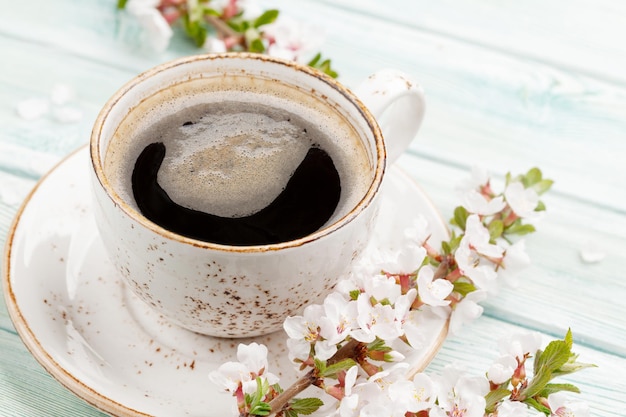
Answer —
472 265
509 408
339 318
416 395
292 40
475 202
562 406
418 232
252 363
157 31
382 320
303 331
523 201
478 237
460 395
479 177
250 8
366 398
433 292
466 310
375 320
502 369
348 405
297 350
515 259
404 261
214 45
382 287
519 344
417 323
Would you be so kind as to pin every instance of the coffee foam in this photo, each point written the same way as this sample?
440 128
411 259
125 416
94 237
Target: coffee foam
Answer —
245 140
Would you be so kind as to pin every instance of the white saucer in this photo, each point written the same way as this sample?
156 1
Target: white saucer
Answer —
77 318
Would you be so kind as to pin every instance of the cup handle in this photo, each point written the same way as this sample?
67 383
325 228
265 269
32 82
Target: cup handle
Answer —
397 103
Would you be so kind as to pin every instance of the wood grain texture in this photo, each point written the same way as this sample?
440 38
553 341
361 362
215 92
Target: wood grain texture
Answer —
509 85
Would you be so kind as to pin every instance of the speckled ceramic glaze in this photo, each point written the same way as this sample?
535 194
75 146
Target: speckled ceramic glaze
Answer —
238 291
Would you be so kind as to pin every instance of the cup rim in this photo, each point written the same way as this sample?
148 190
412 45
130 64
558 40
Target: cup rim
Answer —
97 158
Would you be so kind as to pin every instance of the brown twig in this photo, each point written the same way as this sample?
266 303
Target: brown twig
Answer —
221 27
348 351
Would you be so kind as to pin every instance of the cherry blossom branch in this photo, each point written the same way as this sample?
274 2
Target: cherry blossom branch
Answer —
348 345
224 25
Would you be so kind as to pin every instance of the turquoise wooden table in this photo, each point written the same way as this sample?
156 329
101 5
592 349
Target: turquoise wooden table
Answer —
510 85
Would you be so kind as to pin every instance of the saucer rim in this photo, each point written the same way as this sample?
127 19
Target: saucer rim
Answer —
30 340
79 388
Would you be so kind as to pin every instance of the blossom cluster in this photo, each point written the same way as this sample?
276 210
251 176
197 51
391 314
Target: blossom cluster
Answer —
228 25
505 391
351 345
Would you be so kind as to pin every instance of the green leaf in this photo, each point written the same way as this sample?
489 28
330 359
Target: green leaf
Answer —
121 4
455 242
195 30
305 406
238 25
266 18
290 413
532 177
540 206
320 366
326 69
496 228
552 388
463 287
460 217
572 365
211 12
378 344
354 294
257 406
331 370
569 339
256 46
324 66
537 384
517 228
507 179
445 247
261 409
315 60
494 397
537 406
555 355
543 186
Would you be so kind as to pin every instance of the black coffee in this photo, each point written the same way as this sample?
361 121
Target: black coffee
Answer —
238 155
307 202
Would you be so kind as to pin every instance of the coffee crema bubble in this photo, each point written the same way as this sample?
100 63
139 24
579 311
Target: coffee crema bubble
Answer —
233 158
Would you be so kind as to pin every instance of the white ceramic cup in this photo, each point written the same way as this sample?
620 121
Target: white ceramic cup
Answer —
241 291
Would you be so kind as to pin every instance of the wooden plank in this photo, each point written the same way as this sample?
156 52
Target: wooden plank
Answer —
575 36
28 390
